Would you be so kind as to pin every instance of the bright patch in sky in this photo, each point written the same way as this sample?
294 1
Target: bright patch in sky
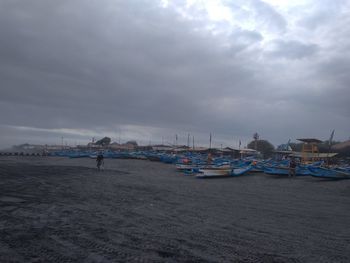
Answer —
216 10
164 3
271 18
286 3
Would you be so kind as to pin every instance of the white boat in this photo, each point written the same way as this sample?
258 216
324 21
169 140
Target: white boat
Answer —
214 172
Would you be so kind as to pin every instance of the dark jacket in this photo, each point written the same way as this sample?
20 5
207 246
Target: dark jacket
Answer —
292 164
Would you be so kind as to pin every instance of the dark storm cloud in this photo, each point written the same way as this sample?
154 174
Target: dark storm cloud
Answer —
73 65
90 68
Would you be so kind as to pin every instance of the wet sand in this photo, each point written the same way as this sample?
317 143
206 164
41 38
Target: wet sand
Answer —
64 210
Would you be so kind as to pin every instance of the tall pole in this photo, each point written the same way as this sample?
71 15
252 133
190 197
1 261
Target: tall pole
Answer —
210 141
329 146
193 142
188 140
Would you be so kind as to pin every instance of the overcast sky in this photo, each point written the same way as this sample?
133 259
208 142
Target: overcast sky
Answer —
149 69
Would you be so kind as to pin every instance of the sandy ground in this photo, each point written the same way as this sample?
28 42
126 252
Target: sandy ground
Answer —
64 210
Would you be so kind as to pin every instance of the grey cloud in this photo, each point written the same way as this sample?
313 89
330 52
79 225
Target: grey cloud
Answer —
292 49
321 13
264 14
268 16
335 90
126 77
242 39
315 20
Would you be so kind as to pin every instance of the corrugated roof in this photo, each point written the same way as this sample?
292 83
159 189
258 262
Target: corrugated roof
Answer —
313 155
310 140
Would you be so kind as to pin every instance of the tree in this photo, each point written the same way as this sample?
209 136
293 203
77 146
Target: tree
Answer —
284 147
343 152
104 141
263 146
256 138
132 143
296 147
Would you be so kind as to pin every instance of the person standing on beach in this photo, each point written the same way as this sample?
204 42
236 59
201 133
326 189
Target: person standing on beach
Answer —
292 167
210 158
99 161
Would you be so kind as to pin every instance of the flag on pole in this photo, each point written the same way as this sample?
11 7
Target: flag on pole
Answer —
240 143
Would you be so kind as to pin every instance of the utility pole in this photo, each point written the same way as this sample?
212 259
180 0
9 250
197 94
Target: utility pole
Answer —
210 141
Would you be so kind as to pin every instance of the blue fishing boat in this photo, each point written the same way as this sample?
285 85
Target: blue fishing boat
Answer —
80 154
322 172
283 170
241 170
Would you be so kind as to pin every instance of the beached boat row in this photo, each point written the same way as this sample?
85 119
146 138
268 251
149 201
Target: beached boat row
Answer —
231 168
200 166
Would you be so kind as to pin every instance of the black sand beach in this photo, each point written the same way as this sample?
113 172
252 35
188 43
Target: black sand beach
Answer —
64 210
